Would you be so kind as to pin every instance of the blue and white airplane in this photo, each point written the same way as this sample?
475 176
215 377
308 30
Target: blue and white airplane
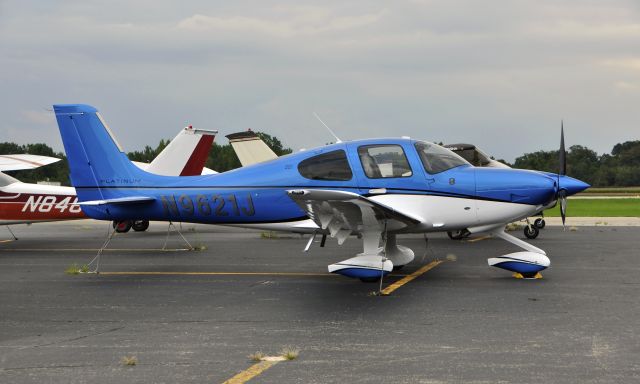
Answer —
375 189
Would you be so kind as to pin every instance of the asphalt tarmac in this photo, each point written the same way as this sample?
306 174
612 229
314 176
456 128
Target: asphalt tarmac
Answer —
203 312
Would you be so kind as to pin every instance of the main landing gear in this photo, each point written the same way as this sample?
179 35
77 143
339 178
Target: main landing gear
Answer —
527 264
126 225
459 234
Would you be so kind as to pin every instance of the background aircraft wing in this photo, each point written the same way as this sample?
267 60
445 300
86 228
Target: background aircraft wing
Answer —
24 161
250 148
342 213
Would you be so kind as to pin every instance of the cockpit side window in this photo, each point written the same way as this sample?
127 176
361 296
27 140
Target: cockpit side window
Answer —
383 161
326 166
437 159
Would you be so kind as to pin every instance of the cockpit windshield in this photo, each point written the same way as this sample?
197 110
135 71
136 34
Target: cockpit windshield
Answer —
437 159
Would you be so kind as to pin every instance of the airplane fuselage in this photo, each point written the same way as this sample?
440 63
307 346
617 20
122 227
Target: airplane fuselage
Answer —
255 196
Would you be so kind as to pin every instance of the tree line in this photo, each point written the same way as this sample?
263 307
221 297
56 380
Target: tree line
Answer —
620 168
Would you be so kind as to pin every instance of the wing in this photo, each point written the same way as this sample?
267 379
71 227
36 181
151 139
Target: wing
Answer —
24 161
343 213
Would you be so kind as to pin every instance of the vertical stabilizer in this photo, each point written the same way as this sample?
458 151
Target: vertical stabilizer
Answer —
185 155
95 157
249 148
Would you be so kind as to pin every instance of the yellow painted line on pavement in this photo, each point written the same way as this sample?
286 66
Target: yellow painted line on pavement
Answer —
478 239
6 241
410 277
254 370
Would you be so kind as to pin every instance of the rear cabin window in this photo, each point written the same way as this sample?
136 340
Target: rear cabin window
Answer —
327 166
437 159
383 161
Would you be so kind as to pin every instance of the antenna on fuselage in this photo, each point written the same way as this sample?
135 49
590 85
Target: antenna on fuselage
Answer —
326 126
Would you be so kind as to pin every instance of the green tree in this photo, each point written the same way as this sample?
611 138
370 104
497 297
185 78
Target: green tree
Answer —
148 154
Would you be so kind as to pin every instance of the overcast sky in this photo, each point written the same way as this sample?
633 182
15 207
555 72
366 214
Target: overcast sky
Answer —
499 74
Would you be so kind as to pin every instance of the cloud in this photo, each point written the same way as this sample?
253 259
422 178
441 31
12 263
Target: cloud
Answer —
302 22
626 63
626 86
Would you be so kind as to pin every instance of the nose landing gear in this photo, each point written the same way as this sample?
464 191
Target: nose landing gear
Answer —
531 231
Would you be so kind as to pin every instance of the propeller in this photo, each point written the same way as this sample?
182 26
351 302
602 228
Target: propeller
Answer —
562 170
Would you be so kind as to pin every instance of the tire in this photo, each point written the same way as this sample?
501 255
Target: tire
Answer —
140 225
531 232
123 226
540 223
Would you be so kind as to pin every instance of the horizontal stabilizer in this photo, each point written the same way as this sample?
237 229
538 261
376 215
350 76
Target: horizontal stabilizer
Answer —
120 200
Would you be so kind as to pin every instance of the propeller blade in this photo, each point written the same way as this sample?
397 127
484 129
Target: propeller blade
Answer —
561 194
563 153
563 206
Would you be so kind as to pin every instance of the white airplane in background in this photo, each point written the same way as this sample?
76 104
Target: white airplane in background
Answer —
26 203
475 155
